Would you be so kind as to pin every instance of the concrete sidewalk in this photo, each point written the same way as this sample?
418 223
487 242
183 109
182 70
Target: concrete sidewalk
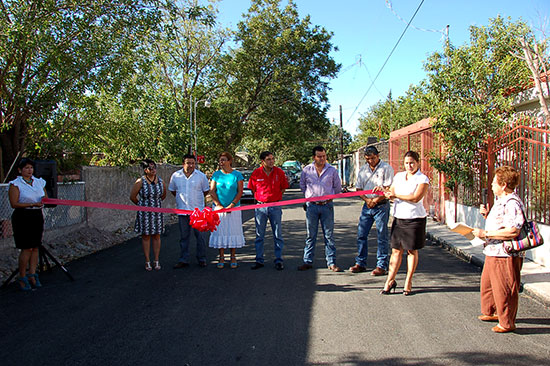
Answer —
534 277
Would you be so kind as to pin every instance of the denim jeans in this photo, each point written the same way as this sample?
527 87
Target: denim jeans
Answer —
379 214
325 215
274 214
185 234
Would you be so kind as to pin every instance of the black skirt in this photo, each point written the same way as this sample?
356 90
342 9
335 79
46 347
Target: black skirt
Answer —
408 234
28 227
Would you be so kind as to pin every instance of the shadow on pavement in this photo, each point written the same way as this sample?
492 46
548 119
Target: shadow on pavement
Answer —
454 358
116 312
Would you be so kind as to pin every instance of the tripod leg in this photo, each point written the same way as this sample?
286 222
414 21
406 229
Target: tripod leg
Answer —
6 282
43 263
49 255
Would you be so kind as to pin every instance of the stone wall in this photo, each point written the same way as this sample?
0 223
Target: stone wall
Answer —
113 185
102 228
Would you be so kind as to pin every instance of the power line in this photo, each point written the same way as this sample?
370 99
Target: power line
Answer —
442 31
387 59
370 78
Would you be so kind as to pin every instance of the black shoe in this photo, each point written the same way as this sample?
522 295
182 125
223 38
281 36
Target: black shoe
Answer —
181 265
257 266
305 267
279 266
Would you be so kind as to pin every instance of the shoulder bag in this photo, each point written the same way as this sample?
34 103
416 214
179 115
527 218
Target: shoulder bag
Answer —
529 237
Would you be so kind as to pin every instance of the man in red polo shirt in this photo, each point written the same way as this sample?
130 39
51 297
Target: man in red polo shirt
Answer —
268 183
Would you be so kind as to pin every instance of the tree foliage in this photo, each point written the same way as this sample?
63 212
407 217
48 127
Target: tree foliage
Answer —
54 48
125 85
277 81
145 112
468 87
389 115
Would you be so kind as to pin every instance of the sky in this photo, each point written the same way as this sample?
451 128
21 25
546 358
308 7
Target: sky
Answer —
365 32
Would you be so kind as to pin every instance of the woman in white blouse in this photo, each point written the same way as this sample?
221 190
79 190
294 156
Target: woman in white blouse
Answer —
408 231
25 194
501 276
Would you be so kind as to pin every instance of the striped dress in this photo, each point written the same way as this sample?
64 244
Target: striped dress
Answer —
150 223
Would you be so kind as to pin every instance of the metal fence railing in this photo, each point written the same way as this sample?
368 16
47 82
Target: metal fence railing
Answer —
55 217
524 144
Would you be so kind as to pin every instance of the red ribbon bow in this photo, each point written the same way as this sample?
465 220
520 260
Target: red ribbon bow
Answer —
205 220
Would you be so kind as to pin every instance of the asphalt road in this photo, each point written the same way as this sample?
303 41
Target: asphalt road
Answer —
117 313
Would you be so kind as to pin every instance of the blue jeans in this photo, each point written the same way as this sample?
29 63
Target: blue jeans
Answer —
325 215
379 214
185 233
274 214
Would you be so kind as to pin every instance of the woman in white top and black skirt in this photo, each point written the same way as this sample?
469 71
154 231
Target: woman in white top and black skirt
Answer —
408 231
25 194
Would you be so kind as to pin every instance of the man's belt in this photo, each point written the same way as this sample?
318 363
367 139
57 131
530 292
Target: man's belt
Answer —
384 201
321 203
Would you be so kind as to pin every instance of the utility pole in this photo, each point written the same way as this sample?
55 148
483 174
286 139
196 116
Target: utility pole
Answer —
342 145
341 135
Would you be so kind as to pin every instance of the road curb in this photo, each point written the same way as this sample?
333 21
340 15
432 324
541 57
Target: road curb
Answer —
455 244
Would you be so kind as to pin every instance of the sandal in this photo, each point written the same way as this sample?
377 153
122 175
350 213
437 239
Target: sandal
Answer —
233 263
221 262
34 281
148 266
157 265
24 281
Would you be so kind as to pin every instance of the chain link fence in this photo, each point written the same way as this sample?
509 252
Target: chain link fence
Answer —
55 217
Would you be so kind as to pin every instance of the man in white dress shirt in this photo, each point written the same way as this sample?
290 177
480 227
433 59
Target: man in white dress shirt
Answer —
190 186
376 209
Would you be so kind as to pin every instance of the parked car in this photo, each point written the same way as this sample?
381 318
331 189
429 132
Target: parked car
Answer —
247 196
294 164
290 175
295 167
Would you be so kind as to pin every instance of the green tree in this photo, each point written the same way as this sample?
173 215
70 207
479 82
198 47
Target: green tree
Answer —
144 112
468 87
333 145
390 115
277 81
50 49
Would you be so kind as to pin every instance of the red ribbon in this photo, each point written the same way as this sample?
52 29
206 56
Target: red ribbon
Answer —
206 219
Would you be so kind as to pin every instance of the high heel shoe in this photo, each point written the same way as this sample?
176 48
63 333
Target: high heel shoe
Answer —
25 282
390 289
148 267
407 292
156 265
33 279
